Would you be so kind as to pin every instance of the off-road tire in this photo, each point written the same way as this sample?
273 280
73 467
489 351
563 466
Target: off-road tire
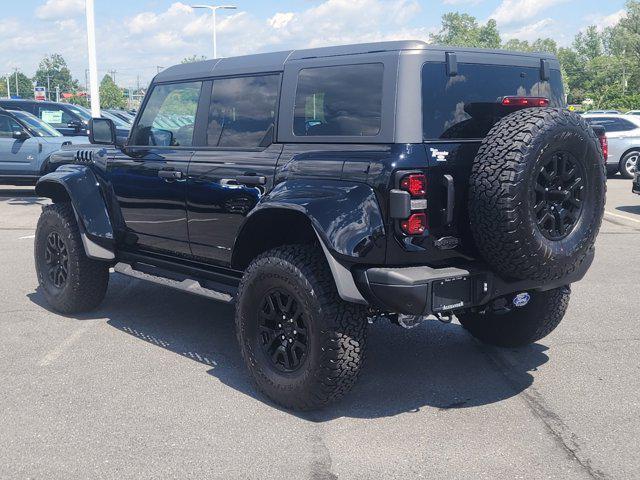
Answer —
336 329
623 165
502 189
520 326
87 279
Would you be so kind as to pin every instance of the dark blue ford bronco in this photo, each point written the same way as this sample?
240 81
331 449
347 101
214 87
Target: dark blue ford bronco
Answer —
320 189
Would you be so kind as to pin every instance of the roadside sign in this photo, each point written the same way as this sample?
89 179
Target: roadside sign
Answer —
40 93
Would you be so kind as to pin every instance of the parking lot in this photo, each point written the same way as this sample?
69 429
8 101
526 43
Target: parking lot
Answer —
151 385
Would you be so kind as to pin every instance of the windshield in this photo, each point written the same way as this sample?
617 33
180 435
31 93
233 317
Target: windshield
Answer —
85 113
465 105
116 120
37 126
81 112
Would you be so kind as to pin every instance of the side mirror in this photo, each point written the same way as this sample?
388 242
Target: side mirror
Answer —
20 135
102 131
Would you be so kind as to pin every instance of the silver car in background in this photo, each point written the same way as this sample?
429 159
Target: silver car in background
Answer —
623 135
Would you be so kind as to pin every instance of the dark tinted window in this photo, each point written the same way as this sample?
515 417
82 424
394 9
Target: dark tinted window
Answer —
339 101
465 106
169 116
243 111
612 124
7 126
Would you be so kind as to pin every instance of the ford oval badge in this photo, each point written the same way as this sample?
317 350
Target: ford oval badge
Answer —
521 300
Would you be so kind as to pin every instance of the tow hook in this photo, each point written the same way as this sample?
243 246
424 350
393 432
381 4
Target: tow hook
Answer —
412 321
445 317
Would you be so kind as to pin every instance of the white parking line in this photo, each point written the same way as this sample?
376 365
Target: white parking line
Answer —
53 355
635 220
27 237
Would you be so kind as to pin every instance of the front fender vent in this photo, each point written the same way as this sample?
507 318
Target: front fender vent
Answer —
84 156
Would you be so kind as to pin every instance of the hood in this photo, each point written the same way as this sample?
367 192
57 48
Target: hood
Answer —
62 140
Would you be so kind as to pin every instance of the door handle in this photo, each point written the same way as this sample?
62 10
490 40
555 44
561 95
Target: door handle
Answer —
170 174
251 180
451 199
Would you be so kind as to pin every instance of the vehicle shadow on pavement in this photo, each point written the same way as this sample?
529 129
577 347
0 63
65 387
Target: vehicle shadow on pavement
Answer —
432 366
634 209
19 196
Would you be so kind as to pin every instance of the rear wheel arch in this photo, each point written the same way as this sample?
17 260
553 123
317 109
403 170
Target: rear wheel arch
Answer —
621 162
270 228
275 227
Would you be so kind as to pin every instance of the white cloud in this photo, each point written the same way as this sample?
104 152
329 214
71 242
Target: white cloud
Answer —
603 21
60 9
280 20
519 11
532 31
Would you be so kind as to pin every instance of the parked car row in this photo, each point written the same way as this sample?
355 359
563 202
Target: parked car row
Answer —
623 137
30 131
26 144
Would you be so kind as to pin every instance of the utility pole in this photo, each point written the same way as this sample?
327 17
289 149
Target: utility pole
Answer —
159 68
17 89
48 87
93 62
57 93
8 86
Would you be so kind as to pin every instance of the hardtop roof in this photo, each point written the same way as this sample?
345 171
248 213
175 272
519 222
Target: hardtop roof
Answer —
276 61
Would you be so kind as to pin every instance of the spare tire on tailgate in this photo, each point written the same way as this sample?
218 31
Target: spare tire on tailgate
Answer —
537 194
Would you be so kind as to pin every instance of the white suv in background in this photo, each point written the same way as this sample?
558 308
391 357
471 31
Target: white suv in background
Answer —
623 135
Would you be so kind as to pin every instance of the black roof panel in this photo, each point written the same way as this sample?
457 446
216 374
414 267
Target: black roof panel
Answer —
275 62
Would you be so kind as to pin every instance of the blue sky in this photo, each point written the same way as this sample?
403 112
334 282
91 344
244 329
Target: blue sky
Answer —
134 37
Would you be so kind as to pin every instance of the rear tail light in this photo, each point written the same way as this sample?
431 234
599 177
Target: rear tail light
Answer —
415 184
604 143
525 102
416 224
412 217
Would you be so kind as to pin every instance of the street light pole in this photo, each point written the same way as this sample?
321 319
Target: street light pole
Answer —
93 63
214 9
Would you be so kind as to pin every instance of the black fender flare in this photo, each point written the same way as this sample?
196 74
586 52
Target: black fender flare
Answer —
79 185
345 217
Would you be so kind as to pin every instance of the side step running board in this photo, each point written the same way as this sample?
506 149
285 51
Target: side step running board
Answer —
187 285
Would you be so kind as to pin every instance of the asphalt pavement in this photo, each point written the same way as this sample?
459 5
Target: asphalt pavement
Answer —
151 385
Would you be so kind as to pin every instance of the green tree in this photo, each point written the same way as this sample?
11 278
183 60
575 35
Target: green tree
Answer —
589 44
111 95
25 86
463 30
53 71
193 59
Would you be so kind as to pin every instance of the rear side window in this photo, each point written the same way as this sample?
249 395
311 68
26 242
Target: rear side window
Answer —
464 106
58 117
613 124
243 111
339 101
169 116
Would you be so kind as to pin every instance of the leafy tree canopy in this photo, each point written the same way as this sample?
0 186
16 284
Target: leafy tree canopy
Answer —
53 71
111 95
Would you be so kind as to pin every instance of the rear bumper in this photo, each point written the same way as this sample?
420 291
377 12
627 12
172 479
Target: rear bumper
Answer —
424 290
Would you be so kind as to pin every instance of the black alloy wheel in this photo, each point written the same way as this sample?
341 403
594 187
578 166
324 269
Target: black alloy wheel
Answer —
558 195
282 331
57 260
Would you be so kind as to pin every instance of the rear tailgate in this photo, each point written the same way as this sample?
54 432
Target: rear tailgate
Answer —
458 112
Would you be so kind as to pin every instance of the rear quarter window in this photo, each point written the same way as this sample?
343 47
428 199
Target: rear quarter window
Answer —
343 100
463 106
